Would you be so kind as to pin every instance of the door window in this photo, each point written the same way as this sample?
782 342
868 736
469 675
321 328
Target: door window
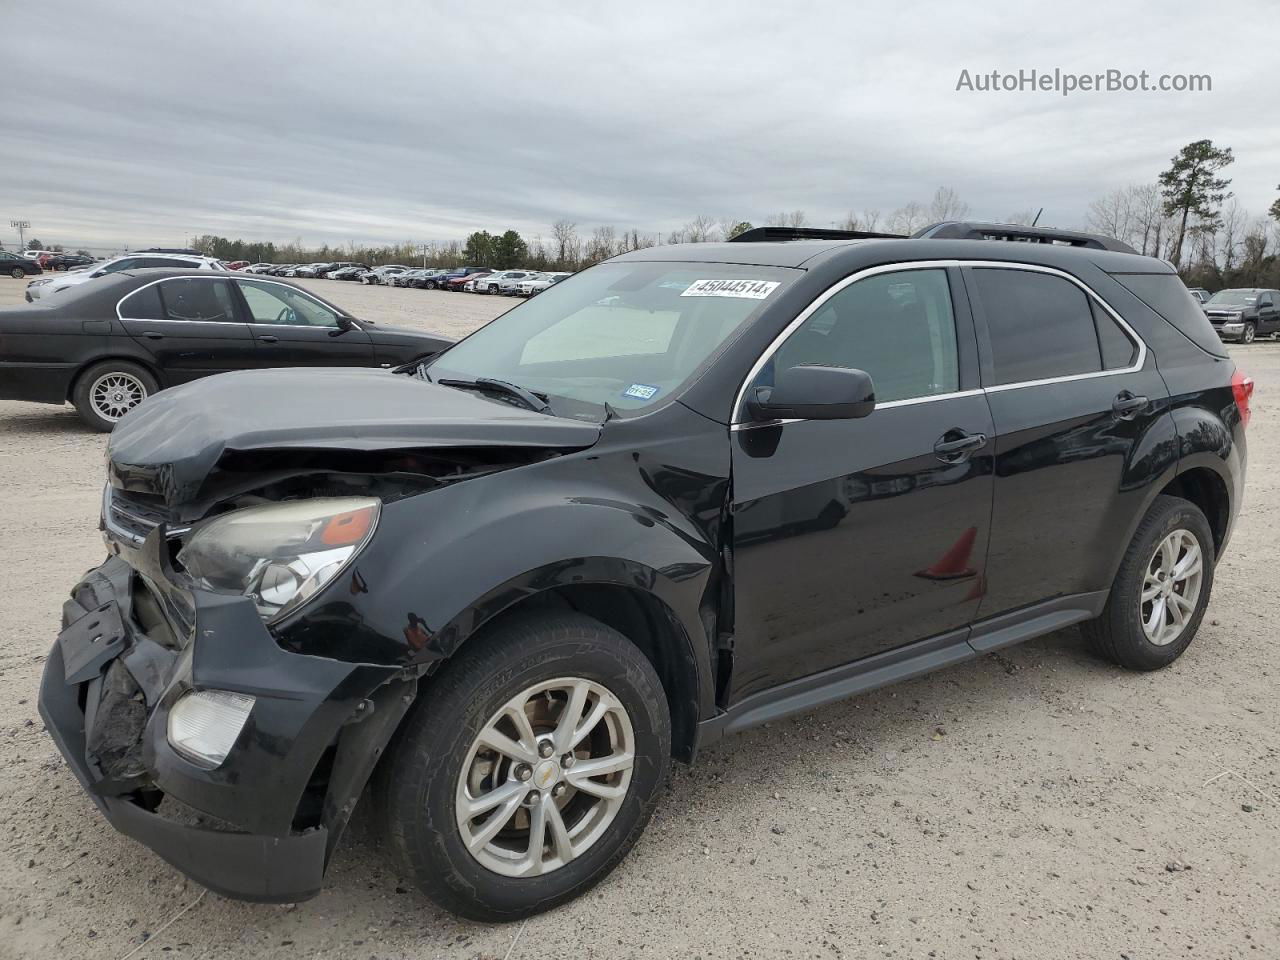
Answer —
143 304
1041 326
898 327
279 304
198 299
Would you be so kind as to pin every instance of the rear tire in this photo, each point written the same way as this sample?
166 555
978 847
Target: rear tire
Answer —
17 273
441 766
107 391
1152 614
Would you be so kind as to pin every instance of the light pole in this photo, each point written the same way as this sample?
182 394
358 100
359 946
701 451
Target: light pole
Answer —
21 226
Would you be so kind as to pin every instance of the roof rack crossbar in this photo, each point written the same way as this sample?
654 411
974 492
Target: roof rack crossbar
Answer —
770 234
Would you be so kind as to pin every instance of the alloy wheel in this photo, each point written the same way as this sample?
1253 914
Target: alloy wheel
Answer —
1249 333
1171 587
115 394
545 779
17 273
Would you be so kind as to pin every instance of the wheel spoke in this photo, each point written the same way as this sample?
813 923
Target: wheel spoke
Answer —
561 843
602 706
537 838
566 728
528 739
1155 623
478 806
1168 555
1150 591
602 766
493 826
1189 564
604 791
497 740
1182 605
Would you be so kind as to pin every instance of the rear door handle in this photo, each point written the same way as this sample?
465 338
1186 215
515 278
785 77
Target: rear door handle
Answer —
152 335
269 339
1126 406
959 446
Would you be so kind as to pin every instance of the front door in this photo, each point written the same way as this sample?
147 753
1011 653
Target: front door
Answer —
190 325
851 537
296 330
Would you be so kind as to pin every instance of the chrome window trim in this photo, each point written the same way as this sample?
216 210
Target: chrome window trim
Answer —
812 308
249 323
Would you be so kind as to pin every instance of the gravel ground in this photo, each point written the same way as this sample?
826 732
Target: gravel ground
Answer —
1035 803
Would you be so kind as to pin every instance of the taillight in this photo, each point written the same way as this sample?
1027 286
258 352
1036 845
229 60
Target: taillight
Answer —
1242 390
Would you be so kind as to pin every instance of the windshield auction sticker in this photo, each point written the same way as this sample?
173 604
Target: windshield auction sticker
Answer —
744 289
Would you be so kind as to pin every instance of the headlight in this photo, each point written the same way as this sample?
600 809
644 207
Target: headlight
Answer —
204 724
279 554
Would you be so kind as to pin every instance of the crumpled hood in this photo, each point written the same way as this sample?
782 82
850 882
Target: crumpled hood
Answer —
173 440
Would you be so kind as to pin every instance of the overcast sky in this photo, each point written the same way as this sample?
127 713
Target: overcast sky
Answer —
146 123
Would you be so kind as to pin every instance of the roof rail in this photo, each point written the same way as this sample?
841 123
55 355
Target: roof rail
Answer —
965 230
183 250
768 234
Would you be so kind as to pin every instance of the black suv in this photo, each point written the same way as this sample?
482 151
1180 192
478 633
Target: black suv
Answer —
679 494
1242 314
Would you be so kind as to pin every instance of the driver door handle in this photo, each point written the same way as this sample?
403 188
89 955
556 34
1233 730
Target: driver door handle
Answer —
269 339
959 446
1126 406
152 335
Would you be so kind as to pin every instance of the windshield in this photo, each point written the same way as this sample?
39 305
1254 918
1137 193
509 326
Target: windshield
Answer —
1234 297
624 334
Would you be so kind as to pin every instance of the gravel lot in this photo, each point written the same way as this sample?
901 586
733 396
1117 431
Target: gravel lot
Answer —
1035 803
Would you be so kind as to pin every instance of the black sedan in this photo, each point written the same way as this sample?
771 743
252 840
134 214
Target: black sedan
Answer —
16 266
107 345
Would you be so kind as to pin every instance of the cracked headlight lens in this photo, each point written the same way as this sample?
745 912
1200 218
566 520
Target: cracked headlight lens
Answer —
279 554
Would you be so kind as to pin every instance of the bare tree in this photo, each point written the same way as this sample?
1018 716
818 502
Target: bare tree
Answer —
602 244
699 229
908 219
1023 218
1234 218
1112 215
1256 241
795 218
947 205
867 221
565 234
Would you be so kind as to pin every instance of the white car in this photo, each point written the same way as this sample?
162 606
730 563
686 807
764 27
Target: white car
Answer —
47 285
539 282
383 274
504 281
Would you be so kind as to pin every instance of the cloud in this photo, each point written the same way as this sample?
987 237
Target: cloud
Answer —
151 123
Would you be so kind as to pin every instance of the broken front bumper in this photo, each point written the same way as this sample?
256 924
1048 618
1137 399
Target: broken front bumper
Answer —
263 824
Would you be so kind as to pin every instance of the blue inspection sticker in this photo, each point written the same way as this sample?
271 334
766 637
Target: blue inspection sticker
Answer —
641 390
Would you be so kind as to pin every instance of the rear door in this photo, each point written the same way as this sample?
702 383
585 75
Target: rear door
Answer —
1268 312
852 537
191 326
293 329
1072 391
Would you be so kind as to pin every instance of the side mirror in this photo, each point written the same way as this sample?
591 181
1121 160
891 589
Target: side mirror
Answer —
811 392
346 323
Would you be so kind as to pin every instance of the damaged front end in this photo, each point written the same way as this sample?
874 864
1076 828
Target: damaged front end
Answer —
178 689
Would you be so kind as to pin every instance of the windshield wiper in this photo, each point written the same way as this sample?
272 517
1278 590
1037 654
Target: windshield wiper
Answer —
526 397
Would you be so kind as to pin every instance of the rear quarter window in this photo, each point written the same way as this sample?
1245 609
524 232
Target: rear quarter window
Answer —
1168 296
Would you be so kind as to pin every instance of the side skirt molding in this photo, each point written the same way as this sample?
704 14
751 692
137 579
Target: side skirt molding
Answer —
903 663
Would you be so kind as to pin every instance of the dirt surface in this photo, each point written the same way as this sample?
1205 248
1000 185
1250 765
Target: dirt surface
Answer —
1032 804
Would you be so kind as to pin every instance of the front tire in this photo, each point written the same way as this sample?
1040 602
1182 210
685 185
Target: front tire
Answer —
107 391
528 768
1250 331
1161 590
17 273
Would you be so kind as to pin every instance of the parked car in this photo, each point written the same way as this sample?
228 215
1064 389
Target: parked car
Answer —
107 346
1244 313
38 289
382 274
459 282
348 273
1200 293
505 281
514 582
69 261
445 281
237 264
18 266
259 267
532 286
310 270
